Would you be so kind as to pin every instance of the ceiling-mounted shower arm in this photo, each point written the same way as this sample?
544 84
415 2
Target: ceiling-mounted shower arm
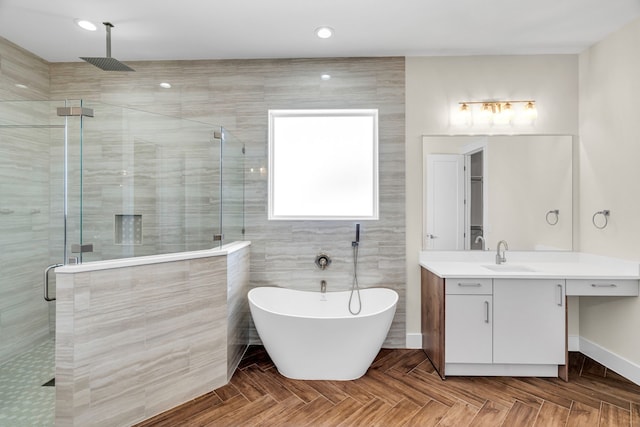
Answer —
109 26
107 63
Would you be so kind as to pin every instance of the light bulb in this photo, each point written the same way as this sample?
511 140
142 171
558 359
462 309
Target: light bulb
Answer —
530 110
487 112
504 113
464 114
507 110
324 32
86 25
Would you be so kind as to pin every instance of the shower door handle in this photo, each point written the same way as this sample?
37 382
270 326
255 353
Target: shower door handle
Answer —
46 281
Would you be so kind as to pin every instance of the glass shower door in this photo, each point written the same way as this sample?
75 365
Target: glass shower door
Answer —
30 220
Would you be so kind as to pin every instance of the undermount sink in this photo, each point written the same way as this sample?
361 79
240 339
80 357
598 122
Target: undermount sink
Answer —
509 268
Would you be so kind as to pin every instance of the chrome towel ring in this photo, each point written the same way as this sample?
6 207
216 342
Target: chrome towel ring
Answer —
552 216
605 214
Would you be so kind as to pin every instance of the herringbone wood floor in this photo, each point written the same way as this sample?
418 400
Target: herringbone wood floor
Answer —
402 389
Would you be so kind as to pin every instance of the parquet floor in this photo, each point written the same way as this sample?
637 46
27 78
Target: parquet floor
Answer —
402 389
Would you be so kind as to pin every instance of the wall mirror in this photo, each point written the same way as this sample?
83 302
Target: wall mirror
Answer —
323 164
478 190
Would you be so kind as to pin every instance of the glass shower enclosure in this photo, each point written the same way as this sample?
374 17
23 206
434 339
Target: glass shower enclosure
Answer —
85 181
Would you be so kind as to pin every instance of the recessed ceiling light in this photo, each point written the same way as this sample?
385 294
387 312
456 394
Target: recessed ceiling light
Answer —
86 25
324 32
326 77
21 86
165 85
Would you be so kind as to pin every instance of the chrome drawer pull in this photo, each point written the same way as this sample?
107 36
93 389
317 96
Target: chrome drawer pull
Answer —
560 298
486 312
609 285
470 285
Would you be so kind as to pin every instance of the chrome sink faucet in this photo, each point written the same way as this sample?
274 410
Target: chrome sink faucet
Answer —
502 258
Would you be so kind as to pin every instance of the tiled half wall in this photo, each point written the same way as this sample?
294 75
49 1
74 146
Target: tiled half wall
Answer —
136 340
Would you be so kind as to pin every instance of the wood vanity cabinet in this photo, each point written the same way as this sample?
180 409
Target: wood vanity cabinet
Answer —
494 326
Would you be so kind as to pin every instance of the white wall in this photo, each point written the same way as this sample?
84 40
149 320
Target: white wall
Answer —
527 176
434 86
610 179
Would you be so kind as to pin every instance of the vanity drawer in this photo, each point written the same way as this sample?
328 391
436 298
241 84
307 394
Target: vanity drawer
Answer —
587 287
469 286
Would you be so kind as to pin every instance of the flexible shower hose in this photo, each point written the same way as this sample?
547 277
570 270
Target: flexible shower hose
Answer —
354 286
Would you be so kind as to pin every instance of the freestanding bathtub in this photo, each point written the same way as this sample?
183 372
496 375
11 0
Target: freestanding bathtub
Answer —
312 336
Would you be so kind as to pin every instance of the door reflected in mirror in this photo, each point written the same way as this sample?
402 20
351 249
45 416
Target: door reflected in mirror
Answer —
482 189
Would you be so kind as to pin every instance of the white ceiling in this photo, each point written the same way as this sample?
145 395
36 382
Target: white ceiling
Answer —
216 29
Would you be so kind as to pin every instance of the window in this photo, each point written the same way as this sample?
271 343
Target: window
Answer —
323 164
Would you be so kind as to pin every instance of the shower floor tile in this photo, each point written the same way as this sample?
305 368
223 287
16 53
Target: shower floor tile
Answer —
23 399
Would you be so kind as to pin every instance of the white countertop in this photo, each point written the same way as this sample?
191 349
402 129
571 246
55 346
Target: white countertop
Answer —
533 265
151 259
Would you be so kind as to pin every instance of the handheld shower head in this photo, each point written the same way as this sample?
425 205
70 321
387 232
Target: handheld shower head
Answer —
357 241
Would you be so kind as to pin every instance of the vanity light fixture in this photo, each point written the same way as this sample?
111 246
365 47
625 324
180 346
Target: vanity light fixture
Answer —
324 32
499 112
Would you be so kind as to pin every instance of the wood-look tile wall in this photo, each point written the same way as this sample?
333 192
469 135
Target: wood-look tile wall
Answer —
24 201
237 95
135 341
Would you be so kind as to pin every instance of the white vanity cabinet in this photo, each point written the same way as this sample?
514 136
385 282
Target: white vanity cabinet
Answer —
504 322
468 321
529 321
481 318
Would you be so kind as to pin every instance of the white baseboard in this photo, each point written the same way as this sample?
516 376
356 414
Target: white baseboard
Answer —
573 343
414 340
617 363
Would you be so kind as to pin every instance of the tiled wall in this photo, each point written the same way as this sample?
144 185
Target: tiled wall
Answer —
17 66
237 308
136 341
24 202
237 94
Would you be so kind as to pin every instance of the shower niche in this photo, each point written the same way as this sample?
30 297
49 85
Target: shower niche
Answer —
128 229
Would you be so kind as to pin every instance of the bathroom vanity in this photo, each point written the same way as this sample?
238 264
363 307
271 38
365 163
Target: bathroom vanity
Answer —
483 318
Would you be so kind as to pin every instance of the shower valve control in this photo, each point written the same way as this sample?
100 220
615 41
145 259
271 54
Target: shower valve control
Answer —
323 260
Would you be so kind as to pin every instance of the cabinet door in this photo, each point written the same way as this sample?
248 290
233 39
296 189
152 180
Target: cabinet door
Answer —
468 329
529 321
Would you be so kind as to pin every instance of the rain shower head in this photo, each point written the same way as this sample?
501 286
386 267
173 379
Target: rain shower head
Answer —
107 63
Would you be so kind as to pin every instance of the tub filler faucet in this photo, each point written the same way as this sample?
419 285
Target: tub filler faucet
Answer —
323 286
